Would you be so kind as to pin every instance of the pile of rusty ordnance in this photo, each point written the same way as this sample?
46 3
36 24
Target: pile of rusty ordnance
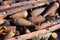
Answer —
29 19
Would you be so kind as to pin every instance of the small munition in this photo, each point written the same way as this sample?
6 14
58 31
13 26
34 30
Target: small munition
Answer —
22 14
37 12
38 19
22 22
53 8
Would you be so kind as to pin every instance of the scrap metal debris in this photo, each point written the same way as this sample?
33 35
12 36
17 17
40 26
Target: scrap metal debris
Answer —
29 19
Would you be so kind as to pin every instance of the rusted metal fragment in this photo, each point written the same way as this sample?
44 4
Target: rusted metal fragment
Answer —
53 8
48 24
56 27
38 19
34 34
8 12
17 5
22 22
22 3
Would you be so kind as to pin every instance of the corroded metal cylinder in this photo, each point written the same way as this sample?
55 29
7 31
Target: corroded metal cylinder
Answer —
22 22
22 14
37 19
37 12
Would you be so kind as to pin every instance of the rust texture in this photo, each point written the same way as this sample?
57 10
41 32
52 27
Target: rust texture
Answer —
33 34
29 19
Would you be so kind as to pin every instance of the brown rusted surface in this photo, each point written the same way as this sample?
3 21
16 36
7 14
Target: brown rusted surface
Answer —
10 34
38 19
44 25
37 12
2 21
17 5
22 19
8 12
23 22
53 8
6 28
22 14
33 34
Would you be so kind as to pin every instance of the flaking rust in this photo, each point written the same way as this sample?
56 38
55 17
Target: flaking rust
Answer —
12 11
22 19
34 34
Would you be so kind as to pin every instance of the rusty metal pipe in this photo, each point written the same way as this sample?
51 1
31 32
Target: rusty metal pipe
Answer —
34 34
17 5
8 12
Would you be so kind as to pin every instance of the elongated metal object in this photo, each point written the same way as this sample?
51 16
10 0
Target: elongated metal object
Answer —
8 12
22 14
53 8
22 22
37 12
34 34
38 19
15 5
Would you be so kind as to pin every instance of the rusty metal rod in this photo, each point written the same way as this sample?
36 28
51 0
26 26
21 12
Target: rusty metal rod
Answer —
8 12
22 4
17 5
34 34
